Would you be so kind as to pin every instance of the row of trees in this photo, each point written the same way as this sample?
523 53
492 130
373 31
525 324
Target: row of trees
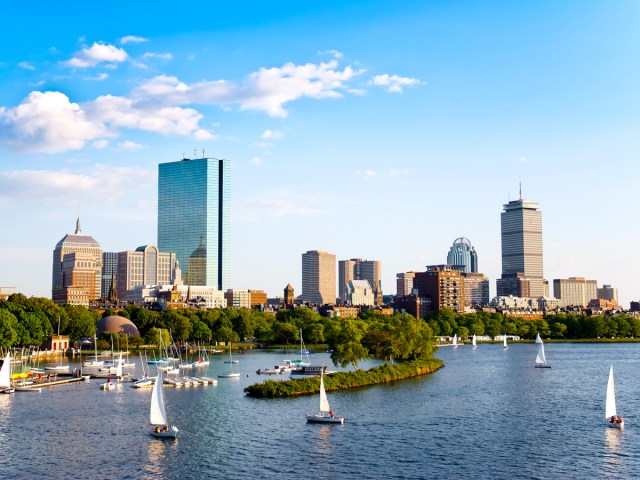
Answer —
562 325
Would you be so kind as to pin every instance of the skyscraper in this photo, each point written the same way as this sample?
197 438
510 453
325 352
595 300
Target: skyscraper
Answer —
521 233
462 253
318 277
194 218
358 269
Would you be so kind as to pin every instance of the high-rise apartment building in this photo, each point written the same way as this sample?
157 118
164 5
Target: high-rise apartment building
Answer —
575 291
521 234
444 285
462 253
146 266
476 289
194 218
607 292
77 269
358 269
318 277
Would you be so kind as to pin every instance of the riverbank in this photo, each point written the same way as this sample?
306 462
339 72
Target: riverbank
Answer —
344 380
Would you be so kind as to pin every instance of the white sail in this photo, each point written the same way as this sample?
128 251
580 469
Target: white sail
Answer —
455 339
473 341
505 341
5 372
540 358
324 402
610 409
119 367
538 339
158 413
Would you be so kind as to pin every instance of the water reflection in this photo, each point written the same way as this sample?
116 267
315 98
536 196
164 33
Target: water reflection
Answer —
157 456
323 437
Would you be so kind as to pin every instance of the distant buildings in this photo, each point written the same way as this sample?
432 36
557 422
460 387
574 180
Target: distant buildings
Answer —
404 283
145 266
444 285
6 292
575 291
109 272
77 269
245 298
521 234
462 253
607 292
318 277
358 269
359 293
476 289
194 218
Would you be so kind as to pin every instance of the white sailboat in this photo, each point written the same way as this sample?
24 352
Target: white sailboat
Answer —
95 362
538 339
541 359
454 342
505 346
5 376
303 351
230 373
158 413
473 342
60 367
614 420
325 415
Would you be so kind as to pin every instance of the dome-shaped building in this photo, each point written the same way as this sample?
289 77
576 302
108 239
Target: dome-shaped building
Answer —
117 324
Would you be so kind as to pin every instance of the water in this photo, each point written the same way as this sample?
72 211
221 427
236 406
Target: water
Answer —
487 414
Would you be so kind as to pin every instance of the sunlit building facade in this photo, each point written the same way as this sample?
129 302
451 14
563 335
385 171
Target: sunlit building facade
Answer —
462 253
194 218
318 277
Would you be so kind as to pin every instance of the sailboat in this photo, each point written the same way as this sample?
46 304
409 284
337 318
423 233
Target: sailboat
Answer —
5 376
541 359
95 362
230 373
538 339
505 347
615 421
325 415
158 413
455 341
473 342
60 367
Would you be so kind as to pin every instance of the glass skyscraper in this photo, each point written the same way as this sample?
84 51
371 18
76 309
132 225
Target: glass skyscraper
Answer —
194 218
462 253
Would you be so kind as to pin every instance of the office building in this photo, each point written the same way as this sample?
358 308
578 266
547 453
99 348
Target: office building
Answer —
462 253
476 289
444 285
109 272
318 277
77 269
521 234
359 293
358 269
607 292
194 218
404 283
575 291
145 266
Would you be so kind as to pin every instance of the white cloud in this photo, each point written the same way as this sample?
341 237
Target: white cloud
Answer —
256 161
26 66
97 53
394 83
334 53
523 159
100 144
163 56
99 77
132 39
366 174
47 122
264 144
129 145
272 134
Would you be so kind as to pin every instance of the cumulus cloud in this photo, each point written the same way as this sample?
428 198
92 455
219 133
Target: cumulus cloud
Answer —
334 53
132 39
47 122
394 83
272 134
98 78
95 54
26 66
129 145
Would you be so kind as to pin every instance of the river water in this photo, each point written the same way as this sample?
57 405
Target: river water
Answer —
488 414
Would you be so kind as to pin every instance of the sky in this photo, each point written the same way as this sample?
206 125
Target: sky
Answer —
380 130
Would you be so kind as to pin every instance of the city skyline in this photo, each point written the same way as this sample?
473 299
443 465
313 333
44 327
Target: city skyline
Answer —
338 141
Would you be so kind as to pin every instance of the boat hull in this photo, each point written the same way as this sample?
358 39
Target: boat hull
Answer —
543 366
170 434
325 419
616 425
228 375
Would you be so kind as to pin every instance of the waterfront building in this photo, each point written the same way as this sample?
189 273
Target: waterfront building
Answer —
77 269
404 283
318 277
462 253
109 273
358 269
145 266
444 285
359 293
476 289
521 235
607 292
575 291
194 218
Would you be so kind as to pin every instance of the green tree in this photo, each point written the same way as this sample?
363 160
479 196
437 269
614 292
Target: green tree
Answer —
8 332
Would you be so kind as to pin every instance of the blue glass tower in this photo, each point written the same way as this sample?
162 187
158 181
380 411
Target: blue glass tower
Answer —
194 218
462 253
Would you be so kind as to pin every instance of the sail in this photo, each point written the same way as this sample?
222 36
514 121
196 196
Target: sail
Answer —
474 340
5 372
158 413
538 339
540 358
324 402
505 340
610 409
455 339
119 367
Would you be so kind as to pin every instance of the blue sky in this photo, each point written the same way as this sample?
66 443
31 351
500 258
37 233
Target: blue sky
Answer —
380 130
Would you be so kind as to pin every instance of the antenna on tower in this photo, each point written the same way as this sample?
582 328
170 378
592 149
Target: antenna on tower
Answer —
203 153
195 153
520 183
